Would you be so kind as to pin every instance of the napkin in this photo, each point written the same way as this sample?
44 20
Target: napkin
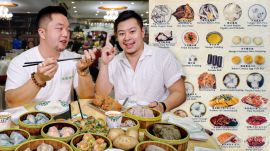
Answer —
16 113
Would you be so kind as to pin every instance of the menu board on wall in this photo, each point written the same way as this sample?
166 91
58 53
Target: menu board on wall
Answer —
224 47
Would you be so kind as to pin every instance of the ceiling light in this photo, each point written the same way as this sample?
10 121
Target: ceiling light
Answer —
72 2
96 14
74 6
112 8
141 14
28 12
146 12
75 11
7 3
5 14
132 3
111 15
97 11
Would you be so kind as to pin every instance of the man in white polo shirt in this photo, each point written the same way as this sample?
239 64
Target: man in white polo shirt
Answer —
149 75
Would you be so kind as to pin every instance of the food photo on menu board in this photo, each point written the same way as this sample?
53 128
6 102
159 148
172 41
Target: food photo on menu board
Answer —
224 49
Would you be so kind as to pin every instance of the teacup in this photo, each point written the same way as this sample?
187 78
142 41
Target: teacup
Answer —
5 120
113 119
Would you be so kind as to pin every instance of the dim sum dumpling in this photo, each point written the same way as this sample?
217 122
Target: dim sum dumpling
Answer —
66 131
62 149
236 40
53 131
5 143
16 138
27 149
257 40
4 137
45 147
246 40
31 119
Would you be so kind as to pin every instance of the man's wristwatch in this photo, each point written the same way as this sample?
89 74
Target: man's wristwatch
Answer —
164 106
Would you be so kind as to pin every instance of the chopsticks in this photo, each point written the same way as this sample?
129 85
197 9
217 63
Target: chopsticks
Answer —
80 109
34 63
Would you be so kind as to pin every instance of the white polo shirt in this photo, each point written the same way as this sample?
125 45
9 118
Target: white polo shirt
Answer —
58 88
156 70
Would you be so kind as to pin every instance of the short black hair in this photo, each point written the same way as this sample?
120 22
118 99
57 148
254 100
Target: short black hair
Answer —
125 15
47 11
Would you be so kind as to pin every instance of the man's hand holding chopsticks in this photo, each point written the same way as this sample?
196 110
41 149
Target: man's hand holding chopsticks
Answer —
86 61
46 70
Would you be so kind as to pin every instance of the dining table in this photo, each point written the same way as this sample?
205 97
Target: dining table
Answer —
89 110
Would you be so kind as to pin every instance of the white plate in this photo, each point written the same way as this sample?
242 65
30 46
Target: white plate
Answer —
52 107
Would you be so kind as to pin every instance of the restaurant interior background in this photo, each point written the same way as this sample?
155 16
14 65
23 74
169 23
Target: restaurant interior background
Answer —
86 17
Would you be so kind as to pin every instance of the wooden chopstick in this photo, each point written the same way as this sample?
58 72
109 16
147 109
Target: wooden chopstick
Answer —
27 64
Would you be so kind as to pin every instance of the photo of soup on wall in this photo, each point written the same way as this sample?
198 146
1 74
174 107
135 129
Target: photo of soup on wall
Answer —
255 80
190 37
257 13
207 81
208 12
232 12
161 14
197 109
184 13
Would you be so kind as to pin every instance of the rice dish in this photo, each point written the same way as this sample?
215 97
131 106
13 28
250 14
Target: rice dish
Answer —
232 12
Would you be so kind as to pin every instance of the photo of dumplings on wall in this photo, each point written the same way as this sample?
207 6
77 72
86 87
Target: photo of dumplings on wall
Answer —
255 80
247 40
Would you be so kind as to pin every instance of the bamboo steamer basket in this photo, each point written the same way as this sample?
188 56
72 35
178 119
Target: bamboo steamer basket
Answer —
33 129
59 125
33 144
180 145
136 127
76 139
8 132
142 146
145 122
